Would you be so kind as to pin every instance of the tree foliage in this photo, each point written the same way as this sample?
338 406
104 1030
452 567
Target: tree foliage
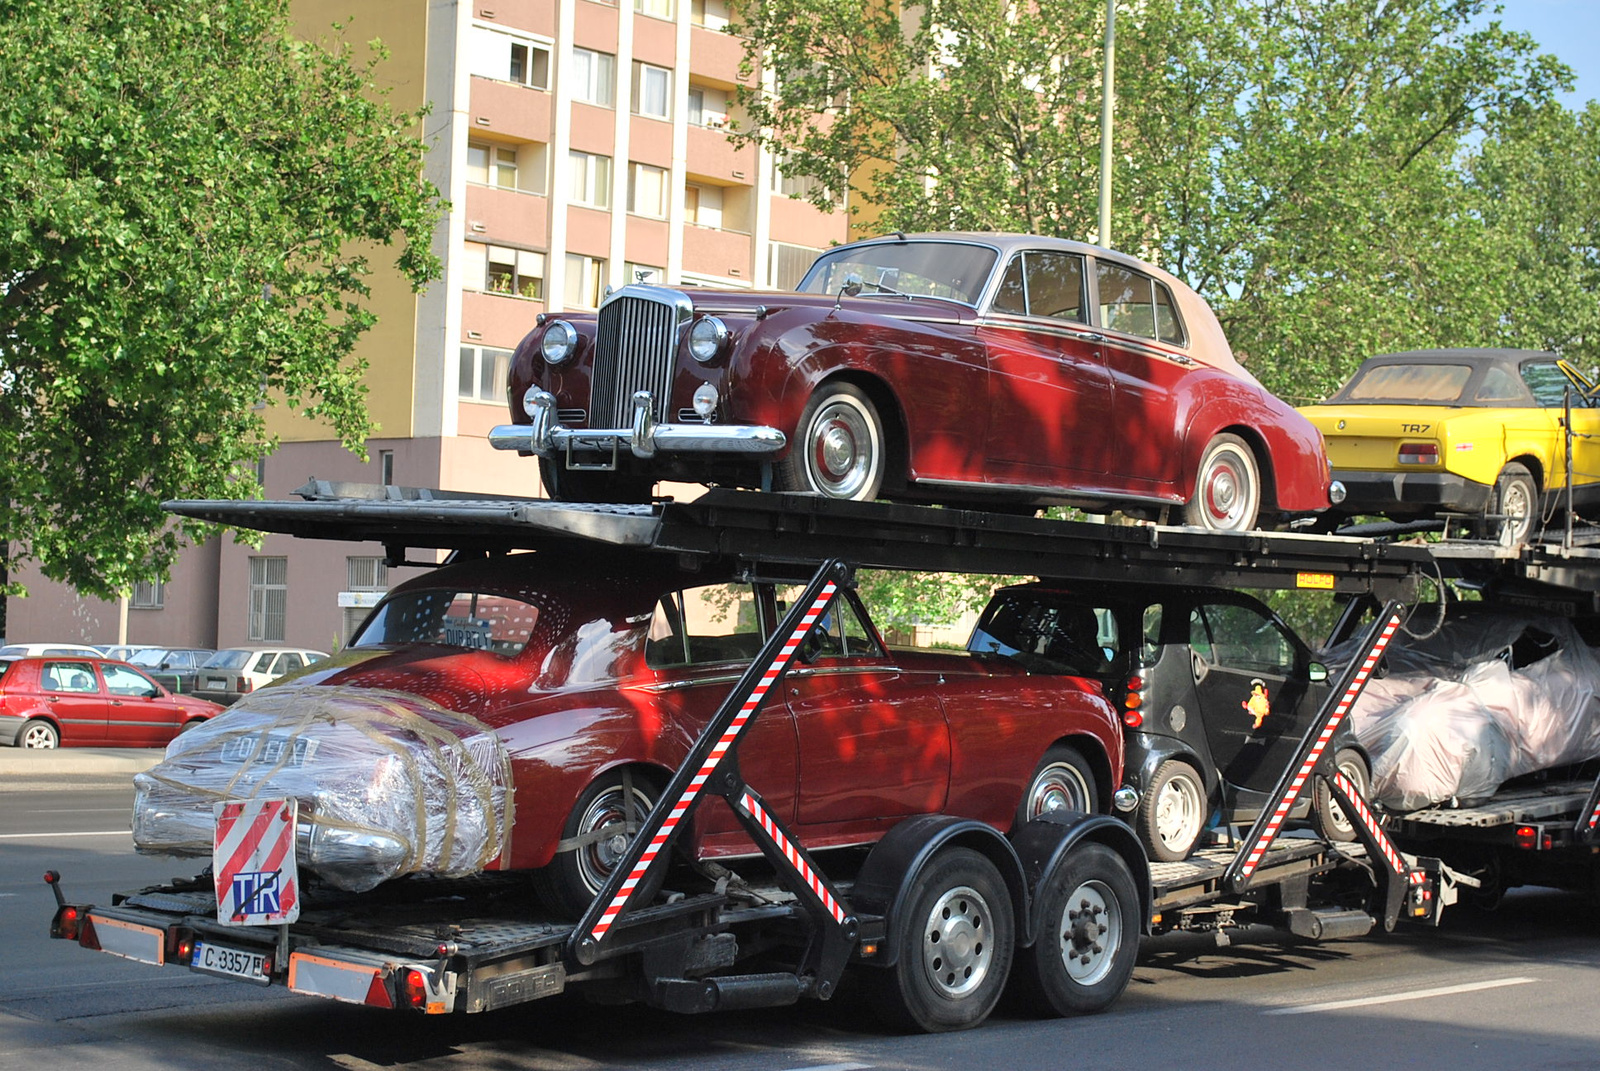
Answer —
1338 177
188 194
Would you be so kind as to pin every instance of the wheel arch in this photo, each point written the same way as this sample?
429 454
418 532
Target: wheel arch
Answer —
1258 449
1044 844
896 435
1535 468
1094 753
884 885
39 715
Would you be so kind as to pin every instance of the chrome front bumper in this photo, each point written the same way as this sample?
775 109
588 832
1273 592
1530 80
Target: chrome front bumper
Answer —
547 437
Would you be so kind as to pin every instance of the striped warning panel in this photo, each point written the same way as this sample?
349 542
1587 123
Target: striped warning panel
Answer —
1281 812
796 860
253 861
791 645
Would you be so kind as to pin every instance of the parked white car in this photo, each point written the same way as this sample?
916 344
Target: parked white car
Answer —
48 650
236 671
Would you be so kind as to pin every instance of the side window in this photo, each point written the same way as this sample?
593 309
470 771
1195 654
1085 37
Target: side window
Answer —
75 677
1501 385
1549 384
1043 284
1244 638
120 680
1200 635
704 625
1013 294
290 662
842 634
1136 304
263 663
1150 641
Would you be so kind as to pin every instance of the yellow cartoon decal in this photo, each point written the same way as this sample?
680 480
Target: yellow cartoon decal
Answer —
1258 704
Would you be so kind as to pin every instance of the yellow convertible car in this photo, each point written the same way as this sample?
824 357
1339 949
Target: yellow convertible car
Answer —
1480 432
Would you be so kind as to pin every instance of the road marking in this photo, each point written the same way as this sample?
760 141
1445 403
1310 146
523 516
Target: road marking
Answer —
1395 998
37 836
832 1067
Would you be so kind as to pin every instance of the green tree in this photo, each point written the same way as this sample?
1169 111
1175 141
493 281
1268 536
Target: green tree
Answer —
190 198
1338 177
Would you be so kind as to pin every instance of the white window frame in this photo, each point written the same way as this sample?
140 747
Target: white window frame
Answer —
594 77
591 178
484 374
636 203
583 288
773 259
486 60
649 71
148 595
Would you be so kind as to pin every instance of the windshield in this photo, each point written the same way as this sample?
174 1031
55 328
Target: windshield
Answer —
473 620
229 659
147 658
953 270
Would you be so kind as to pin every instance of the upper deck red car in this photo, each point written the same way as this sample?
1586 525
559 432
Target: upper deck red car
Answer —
974 368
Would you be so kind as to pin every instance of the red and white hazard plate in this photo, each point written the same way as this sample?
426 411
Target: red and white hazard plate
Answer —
253 861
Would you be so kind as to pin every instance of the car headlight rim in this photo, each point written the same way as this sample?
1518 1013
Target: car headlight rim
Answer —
708 338
559 343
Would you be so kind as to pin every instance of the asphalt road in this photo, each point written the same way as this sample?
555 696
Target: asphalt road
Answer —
1511 990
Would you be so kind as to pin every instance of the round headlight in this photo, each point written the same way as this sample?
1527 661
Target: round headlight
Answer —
707 338
560 341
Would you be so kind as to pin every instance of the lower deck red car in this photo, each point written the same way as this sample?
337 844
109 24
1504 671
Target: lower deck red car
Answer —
596 676
89 702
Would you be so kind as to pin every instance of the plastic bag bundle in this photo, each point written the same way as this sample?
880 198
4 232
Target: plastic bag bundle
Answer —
1490 697
387 783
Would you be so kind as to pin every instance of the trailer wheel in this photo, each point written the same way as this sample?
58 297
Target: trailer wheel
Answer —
1330 818
597 832
955 937
1063 781
1088 942
1173 811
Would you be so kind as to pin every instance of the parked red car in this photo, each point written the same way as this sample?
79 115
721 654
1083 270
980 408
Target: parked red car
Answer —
596 676
975 368
90 702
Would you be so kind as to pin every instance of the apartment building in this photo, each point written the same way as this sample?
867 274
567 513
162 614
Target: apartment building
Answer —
582 144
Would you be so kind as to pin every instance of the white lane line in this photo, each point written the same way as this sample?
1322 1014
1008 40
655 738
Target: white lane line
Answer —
40 836
1395 998
832 1067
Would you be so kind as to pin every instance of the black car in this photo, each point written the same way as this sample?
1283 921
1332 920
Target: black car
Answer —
174 668
1215 691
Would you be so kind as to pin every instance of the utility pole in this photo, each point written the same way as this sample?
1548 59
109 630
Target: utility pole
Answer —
1107 105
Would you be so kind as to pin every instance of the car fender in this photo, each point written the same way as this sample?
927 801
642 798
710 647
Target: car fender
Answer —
1288 450
1045 843
1161 749
884 885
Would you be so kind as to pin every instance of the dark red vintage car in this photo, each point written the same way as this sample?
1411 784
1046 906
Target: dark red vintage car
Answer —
594 677
975 368
90 702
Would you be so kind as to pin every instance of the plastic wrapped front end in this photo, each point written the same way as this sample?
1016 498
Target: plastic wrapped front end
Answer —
387 783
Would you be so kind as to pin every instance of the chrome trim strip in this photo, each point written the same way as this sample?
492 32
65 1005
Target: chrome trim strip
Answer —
643 439
1054 492
1084 333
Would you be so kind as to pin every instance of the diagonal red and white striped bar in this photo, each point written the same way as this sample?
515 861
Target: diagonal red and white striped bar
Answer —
1265 834
1357 807
657 843
1587 826
796 858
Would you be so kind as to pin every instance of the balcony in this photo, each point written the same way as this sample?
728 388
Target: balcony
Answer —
708 251
508 216
509 110
715 157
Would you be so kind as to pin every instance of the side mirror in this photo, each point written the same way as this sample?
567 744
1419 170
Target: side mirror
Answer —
1318 672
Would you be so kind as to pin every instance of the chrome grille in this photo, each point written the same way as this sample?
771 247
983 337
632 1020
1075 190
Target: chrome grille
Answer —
635 347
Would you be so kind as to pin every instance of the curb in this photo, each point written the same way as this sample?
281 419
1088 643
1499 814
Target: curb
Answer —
76 761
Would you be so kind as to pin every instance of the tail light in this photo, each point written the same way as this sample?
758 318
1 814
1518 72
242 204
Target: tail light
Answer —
1532 838
413 989
68 922
244 685
1419 453
180 945
1132 701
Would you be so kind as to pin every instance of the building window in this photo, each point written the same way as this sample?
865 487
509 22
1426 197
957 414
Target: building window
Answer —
702 205
647 190
708 107
493 53
509 168
712 14
148 595
386 467
269 597
591 179
643 273
652 90
594 76
498 269
584 276
787 264
659 9
801 186
366 574
484 374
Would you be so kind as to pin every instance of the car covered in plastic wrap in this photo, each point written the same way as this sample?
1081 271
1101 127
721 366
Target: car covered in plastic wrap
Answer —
524 712
991 369
1491 694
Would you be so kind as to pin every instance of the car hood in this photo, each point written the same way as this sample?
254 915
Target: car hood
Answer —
449 676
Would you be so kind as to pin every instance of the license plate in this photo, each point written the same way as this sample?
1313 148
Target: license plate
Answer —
230 962
219 684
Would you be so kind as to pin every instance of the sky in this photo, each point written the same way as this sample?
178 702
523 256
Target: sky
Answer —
1568 28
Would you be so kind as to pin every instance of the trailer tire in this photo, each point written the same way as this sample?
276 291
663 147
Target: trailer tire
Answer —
1173 812
955 936
570 882
1088 941
1330 819
1064 780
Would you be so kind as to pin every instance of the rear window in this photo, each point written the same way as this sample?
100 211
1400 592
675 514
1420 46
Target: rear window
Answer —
1048 636
474 621
1438 383
229 660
